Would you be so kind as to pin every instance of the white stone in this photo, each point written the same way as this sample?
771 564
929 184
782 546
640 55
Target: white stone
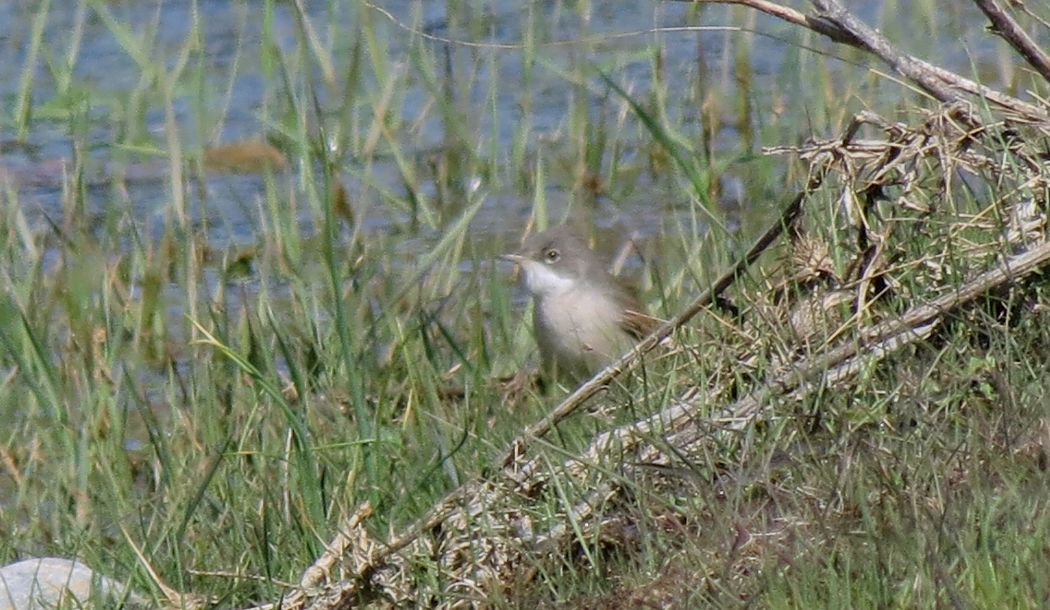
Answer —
54 582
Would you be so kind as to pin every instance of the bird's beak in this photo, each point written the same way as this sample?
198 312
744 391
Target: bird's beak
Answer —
517 259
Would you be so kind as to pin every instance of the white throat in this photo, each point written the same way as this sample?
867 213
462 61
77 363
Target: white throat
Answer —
541 280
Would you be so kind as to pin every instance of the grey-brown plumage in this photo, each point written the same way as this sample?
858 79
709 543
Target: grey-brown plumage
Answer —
584 317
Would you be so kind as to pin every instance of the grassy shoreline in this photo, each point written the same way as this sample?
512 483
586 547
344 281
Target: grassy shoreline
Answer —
214 368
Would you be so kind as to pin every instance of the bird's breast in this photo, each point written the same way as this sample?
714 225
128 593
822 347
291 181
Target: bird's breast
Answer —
579 330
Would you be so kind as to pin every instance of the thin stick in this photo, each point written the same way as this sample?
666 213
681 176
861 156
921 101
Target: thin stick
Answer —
829 24
1005 26
583 393
457 497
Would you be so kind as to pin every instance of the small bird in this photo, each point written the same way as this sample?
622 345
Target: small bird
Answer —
584 317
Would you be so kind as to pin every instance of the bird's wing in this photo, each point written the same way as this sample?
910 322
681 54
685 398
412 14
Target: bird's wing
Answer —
635 321
638 324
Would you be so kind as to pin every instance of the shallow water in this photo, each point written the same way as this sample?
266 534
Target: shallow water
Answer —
232 36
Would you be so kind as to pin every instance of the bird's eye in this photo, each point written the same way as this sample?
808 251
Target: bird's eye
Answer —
552 255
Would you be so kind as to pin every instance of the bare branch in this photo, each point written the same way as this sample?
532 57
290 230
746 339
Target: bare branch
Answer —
1005 26
598 382
877 44
842 27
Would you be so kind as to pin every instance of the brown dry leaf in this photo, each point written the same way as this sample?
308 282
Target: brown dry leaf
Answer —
249 156
341 202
